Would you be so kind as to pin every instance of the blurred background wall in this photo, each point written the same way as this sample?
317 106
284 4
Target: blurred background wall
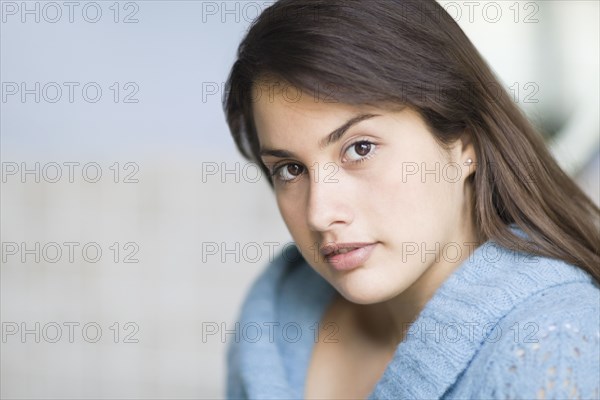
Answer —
131 229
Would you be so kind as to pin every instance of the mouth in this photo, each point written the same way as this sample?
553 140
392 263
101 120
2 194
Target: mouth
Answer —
347 256
332 249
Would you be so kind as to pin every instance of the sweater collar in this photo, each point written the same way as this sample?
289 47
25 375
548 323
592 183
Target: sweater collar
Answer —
462 314
442 340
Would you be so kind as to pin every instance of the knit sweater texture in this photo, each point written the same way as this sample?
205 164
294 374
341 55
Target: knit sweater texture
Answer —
504 325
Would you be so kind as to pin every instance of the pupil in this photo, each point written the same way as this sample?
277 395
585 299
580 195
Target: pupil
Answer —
362 149
294 169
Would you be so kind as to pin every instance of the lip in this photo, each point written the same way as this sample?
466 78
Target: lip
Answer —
350 260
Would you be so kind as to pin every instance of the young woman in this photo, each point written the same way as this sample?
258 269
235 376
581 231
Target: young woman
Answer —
440 252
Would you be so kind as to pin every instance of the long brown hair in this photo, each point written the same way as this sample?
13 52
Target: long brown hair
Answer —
385 52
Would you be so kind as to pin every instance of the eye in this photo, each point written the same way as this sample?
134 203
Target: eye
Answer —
360 151
287 172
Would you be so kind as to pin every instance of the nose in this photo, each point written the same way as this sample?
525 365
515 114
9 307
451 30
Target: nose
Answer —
328 205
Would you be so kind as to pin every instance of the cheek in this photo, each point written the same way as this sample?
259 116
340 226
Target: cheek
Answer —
292 213
411 206
294 217
285 209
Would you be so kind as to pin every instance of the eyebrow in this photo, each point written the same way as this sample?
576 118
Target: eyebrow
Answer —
333 137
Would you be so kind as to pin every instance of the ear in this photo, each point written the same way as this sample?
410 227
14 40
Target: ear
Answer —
468 158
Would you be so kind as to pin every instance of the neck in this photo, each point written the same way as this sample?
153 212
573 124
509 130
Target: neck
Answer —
389 321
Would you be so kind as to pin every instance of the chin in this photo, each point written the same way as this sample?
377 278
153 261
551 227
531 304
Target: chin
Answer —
362 290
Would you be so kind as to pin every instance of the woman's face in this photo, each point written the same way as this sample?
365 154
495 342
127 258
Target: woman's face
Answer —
372 179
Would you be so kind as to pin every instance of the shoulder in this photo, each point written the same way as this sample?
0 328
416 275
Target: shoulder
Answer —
259 308
547 346
287 289
261 295
288 293
265 286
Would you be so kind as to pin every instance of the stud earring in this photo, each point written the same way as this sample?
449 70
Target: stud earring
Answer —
469 161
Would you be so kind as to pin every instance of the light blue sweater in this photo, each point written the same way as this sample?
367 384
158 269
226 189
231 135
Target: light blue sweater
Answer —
504 325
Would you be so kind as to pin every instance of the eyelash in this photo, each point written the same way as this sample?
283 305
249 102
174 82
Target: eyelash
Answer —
275 171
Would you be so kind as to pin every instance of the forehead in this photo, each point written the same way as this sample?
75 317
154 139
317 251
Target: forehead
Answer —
281 107
280 94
